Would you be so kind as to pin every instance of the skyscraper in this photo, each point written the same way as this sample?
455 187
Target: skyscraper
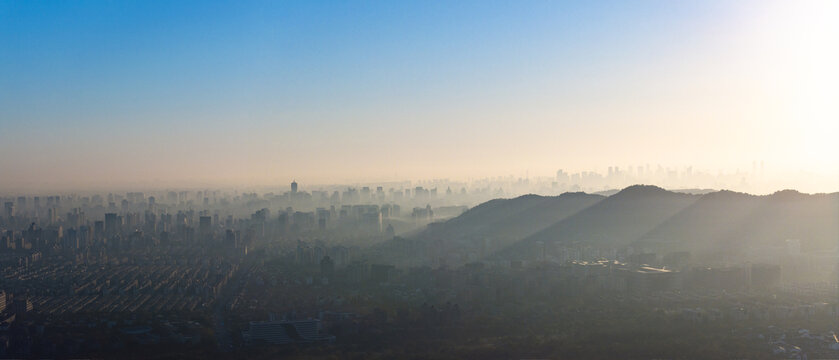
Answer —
293 187
10 209
205 226
112 224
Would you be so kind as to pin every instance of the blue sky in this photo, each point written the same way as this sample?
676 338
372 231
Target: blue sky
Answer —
317 89
112 56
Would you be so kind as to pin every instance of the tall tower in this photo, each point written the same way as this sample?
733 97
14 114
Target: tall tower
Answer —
293 187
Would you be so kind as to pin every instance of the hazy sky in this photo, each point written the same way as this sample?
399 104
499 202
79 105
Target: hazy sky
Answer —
121 92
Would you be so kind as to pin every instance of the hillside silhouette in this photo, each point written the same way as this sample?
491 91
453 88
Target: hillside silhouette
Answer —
618 220
649 218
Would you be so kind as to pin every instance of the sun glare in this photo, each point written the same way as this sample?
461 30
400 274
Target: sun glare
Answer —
801 42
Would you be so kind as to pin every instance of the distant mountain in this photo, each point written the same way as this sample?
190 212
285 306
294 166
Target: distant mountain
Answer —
725 221
813 219
620 218
691 191
647 218
510 219
616 221
484 229
654 219
715 215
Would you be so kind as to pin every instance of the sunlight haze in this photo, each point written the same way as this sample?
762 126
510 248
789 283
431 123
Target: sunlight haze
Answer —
122 93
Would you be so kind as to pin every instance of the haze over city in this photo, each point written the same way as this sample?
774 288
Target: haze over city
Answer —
327 180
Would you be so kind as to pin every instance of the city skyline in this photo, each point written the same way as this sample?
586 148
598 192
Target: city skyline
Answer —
753 181
538 179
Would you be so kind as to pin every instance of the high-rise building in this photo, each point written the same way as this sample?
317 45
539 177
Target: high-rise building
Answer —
99 229
293 187
231 239
205 225
52 215
10 209
112 224
70 241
